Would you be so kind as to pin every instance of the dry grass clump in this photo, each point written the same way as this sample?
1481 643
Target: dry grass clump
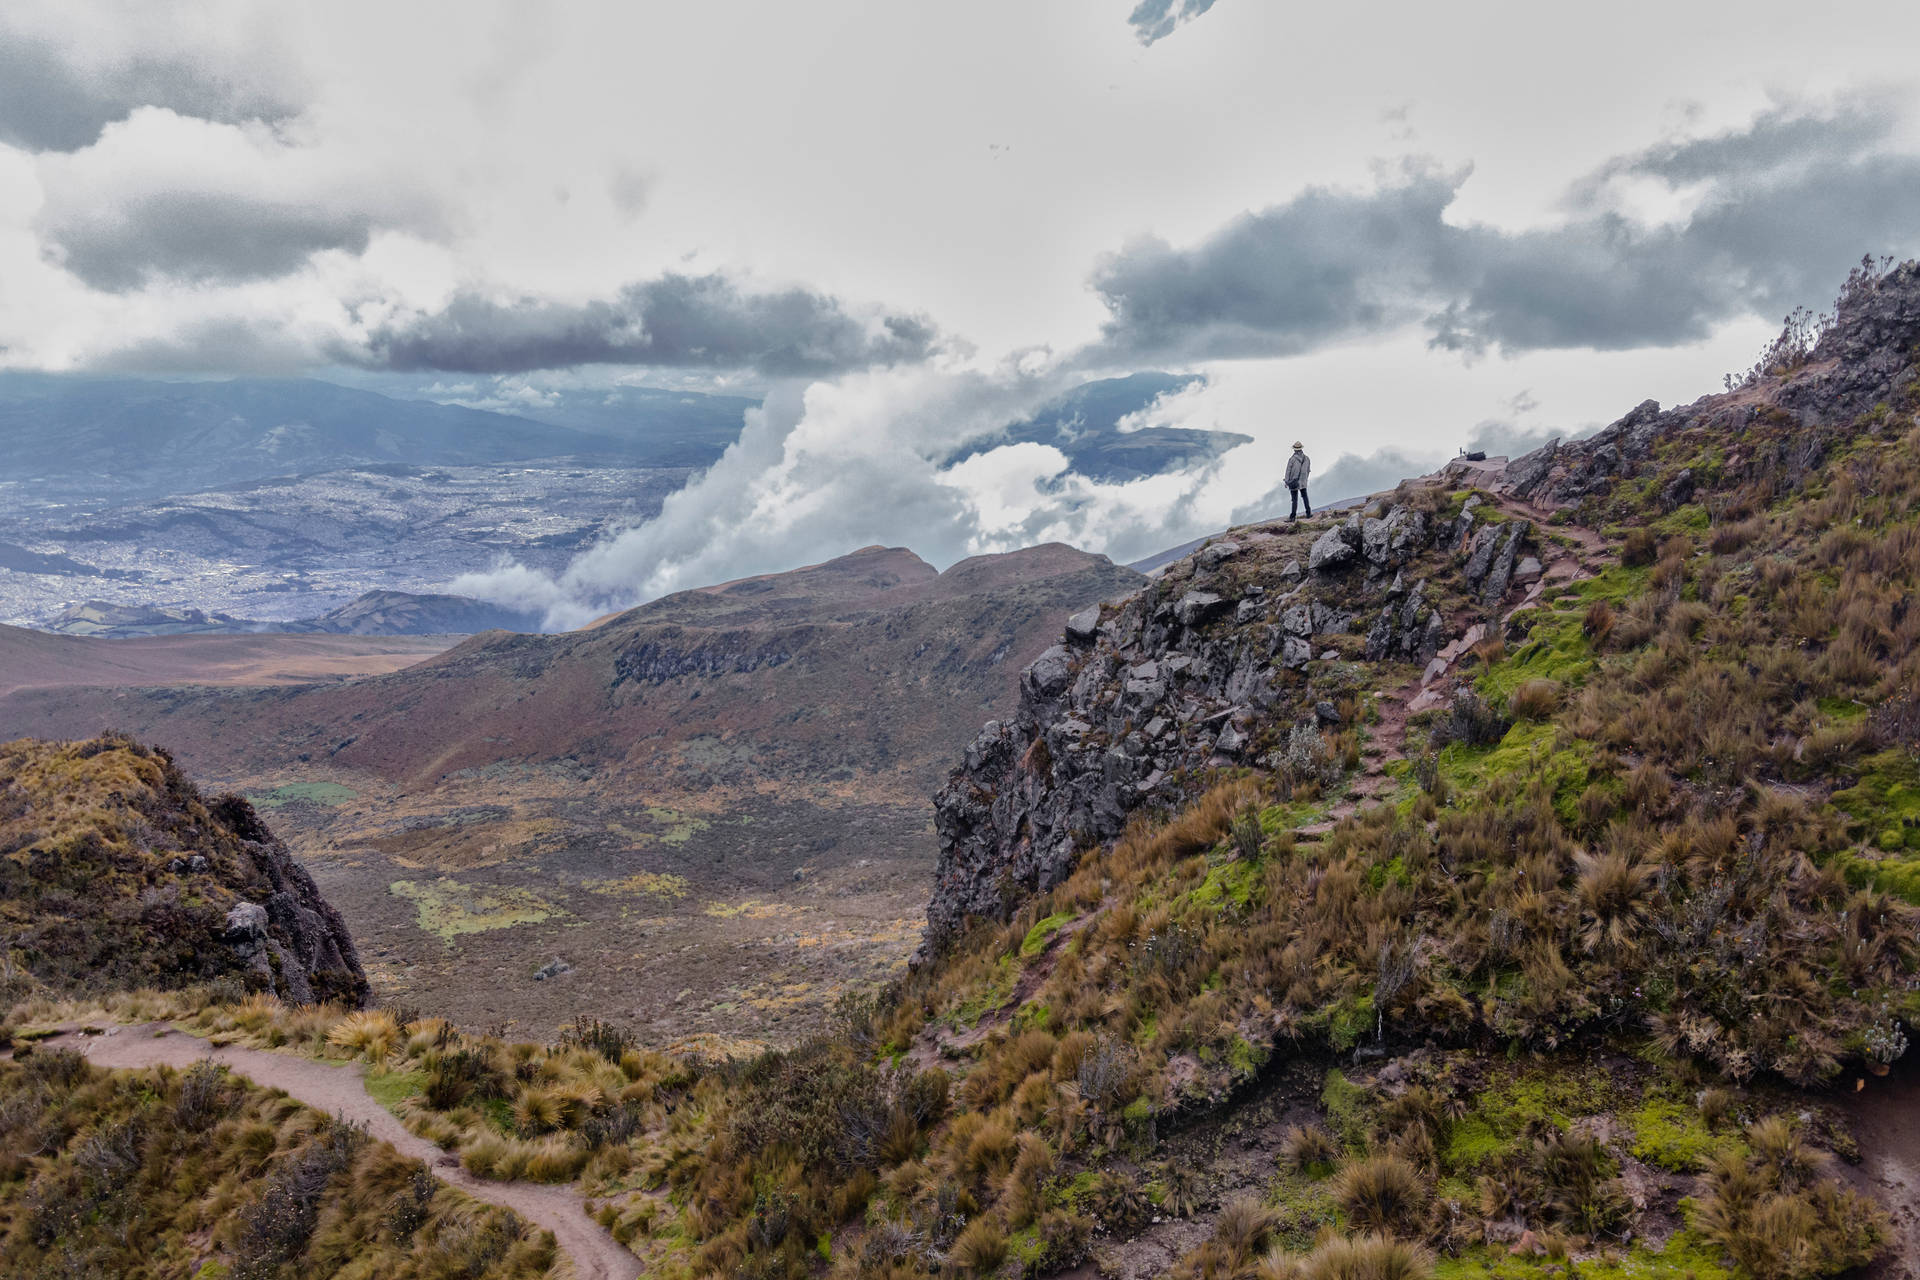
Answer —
1385 1194
1537 699
1769 1211
1305 1147
1366 1257
372 1034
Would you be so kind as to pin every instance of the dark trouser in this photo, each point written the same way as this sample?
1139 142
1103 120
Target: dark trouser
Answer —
1299 492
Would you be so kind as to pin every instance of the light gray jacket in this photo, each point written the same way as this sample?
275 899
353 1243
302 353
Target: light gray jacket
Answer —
1297 468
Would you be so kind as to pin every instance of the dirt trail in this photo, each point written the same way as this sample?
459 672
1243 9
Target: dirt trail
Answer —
1886 1123
1560 564
338 1089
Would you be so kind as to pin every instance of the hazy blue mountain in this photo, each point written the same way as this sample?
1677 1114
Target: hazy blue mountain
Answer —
1084 425
122 437
667 428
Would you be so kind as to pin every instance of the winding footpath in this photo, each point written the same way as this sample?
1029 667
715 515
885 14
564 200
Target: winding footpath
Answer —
340 1089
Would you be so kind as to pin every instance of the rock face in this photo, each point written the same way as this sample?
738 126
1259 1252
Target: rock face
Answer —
295 944
1215 663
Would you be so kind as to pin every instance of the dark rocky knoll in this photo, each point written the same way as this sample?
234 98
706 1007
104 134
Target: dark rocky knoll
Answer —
116 872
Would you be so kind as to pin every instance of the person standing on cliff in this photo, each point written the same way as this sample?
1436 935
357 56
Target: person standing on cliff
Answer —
1298 467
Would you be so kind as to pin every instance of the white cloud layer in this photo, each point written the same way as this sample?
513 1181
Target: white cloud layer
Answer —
910 221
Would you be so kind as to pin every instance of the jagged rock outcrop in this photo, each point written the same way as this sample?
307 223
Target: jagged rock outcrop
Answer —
1213 664
1861 360
294 944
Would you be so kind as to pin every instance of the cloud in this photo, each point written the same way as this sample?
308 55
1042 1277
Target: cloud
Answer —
163 197
1153 20
201 237
1779 210
53 100
822 469
1325 265
676 321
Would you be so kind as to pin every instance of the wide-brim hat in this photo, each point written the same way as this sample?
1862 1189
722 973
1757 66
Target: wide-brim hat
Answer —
1298 445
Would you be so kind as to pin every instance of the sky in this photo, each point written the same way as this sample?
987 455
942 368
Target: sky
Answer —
1389 230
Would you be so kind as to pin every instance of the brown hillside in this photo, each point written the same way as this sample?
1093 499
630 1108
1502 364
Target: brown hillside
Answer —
740 767
38 660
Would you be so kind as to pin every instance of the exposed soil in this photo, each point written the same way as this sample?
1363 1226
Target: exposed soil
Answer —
339 1089
1885 1116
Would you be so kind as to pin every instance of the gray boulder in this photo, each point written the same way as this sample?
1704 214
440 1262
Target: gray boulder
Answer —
1197 606
1214 554
1049 673
1331 551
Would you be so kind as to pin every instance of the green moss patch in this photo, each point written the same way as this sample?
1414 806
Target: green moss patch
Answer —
1884 804
322 793
447 908
1683 1254
391 1088
1530 751
1036 940
1671 1135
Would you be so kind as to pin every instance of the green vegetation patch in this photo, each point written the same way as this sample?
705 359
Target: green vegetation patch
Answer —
1529 750
1036 940
1470 1142
1346 1107
987 999
1505 1105
391 1088
1229 882
322 793
1671 1135
678 827
1897 876
658 884
1683 1254
1885 803
446 908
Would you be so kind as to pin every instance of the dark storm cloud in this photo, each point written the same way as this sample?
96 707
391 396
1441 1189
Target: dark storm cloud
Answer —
49 102
198 237
1156 19
1785 207
675 321
1286 279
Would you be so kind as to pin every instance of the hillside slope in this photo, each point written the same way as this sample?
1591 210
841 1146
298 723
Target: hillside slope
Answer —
1512 879
34 659
116 873
741 770
1515 880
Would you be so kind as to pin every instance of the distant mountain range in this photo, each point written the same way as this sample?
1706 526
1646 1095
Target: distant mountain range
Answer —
375 613
1084 424
123 438
69 437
